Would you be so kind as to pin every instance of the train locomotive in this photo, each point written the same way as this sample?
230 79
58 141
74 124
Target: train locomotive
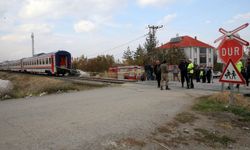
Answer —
55 63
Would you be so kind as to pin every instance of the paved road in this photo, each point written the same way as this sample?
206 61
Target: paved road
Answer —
89 119
215 86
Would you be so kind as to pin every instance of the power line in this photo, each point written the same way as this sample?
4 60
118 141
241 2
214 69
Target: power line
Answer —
124 44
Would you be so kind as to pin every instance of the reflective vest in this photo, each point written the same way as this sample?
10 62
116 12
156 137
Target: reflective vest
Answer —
239 66
190 68
201 73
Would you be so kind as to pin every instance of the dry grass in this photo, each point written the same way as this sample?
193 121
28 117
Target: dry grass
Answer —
211 138
185 117
239 99
168 127
27 85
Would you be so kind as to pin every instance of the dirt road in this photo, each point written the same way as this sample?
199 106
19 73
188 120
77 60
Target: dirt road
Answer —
90 119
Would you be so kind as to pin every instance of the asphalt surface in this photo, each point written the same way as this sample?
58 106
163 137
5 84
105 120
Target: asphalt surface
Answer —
89 119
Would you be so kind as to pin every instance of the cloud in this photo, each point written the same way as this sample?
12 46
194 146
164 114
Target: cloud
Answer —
38 28
5 5
240 17
167 19
35 8
22 32
60 8
84 26
13 38
154 2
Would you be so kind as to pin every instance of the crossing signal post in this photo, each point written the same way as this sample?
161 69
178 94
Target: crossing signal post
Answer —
230 52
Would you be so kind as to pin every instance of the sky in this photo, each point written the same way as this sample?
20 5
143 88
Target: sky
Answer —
100 27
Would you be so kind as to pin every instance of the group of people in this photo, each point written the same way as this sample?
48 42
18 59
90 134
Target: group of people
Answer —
203 74
186 69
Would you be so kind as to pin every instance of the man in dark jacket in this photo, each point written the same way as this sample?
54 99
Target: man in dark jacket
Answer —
157 71
183 68
248 73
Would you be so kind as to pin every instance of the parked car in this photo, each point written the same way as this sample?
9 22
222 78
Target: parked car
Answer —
216 74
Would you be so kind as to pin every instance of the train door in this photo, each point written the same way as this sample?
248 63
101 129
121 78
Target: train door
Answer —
63 61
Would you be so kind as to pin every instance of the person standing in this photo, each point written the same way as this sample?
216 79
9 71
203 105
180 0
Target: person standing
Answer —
209 74
157 71
183 68
164 75
176 73
248 73
239 67
202 74
190 69
197 73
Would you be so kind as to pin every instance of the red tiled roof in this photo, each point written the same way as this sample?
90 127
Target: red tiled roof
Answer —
186 41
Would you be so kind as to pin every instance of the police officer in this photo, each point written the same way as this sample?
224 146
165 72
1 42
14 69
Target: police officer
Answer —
239 67
190 69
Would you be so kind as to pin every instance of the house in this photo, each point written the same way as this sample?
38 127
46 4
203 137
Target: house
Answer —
200 52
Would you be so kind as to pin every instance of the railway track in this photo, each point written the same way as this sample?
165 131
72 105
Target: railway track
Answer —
94 79
90 80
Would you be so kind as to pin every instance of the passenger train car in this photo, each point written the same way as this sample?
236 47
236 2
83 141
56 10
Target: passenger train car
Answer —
54 63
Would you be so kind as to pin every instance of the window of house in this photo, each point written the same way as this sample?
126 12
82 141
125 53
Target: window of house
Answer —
195 61
203 60
203 50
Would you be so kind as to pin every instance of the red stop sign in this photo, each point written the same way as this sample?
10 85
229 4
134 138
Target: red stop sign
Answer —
230 49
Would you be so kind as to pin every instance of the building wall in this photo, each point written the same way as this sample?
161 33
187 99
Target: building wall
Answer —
194 53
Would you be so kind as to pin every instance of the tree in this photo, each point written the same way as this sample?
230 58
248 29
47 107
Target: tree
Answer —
139 56
150 46
174 55
128 56
99 64
80 63
150 43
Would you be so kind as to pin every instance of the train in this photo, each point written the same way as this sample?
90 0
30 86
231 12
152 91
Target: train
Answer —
54 63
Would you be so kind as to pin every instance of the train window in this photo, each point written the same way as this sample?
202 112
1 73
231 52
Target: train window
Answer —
49 60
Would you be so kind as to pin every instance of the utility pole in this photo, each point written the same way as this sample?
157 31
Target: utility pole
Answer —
32 39
153 29
151 41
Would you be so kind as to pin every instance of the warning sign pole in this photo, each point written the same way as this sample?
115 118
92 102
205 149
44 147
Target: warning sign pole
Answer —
231 95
